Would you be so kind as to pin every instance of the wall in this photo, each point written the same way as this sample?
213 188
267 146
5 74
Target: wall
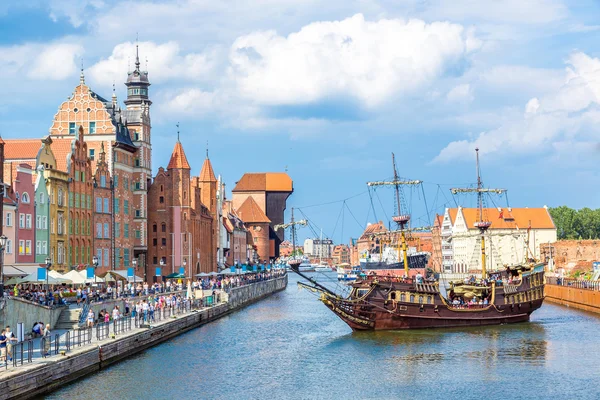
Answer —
18 310
570 253
36 379
583 299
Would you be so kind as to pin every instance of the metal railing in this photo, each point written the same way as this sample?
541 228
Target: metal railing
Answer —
575 283
49 345
22 352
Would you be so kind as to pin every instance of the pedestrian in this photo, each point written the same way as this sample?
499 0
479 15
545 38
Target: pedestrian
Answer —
47 340
10 339
90 319
3 347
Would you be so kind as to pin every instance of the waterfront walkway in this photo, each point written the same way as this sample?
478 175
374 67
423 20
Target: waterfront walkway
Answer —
62 342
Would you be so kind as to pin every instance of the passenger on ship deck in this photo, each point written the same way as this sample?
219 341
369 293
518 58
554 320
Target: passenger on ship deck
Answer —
419 277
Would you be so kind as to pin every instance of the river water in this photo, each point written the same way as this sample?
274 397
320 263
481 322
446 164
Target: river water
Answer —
289 346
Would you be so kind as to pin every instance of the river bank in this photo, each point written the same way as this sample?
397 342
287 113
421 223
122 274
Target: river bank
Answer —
43 377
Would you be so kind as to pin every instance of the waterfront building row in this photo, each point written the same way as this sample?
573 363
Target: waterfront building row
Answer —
87 190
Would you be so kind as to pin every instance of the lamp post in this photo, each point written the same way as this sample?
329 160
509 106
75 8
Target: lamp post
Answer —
48 265
185 266
162 265
134 262
3 240
95 262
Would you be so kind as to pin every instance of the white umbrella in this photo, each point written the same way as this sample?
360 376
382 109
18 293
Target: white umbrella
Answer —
33 278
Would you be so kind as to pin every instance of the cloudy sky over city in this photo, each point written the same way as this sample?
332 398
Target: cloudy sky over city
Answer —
328 89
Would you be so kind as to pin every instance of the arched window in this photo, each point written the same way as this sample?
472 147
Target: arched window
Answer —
163 227
412 298
393 296
42 198
154 228
402 297
25 198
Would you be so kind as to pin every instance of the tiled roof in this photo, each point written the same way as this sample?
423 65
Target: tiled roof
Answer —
178 158
266 181
505 218
452 214
21 149
374 228
249 211
206 173
61 148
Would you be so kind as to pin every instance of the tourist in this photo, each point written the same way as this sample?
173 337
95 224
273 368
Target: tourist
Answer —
47 340
90 319
145 309
10 339
115 313
3 347
106 317
37 329
419 277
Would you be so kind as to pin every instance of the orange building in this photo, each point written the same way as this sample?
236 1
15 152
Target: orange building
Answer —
258 225
341 254
269 192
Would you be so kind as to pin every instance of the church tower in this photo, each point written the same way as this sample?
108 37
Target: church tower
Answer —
208 186
137 115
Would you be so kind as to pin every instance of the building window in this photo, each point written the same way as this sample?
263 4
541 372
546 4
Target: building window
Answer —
9 219
99 230
22 221
164 241
117 229
161 200
38 222
28 247
98 204
44 222
106 257
92 129
154 260
99 255
116 178
106 231
161 188
125 183
126 257
42 198
138 234
102 181
138 186
154 242
71 130
137 162
138 213
106 210
163 227
28 221
9 246
116 206
126 231
136 135
60 197
60 224
82 176
126 207
38 247
154 228
25 198
92 154
21 247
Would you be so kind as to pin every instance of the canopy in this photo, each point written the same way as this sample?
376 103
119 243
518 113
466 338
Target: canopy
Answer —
33 278
202 274
123 274
112 276
80 277
175 275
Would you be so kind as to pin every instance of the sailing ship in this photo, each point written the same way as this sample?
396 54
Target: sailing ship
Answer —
392 252
410 302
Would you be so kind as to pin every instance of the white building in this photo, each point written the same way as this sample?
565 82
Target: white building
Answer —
318 248
514 236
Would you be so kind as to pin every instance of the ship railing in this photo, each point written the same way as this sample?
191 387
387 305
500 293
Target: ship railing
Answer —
574 283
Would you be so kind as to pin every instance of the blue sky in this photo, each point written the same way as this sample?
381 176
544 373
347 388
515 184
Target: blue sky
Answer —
327 90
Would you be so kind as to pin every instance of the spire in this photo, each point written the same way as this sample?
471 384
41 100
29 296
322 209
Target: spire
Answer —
137 54
206 173
178 158
177 125
114 96
81 75
102 155
207 149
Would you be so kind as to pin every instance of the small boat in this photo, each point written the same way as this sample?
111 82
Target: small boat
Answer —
348 274
322 268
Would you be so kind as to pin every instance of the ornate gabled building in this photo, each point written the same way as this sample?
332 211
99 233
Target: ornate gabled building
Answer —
258 224
182 227
125 134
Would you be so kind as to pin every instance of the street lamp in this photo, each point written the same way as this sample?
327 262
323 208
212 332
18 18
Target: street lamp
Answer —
184 265
134 262
162 265
3 240
48 265
95 262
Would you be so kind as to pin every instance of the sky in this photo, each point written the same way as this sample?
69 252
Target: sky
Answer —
327 90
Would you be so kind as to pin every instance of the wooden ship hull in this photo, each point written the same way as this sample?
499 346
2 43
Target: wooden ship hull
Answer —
396 303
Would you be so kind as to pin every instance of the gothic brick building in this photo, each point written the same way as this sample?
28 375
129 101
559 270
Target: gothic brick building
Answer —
182 228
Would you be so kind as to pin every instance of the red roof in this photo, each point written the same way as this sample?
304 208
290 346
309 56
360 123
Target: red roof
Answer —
249 211
206 173
178 158
264 182
509 218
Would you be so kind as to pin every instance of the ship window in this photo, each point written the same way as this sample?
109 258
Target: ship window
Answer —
420 299
393 296
402 297
412 298
362 292
429 300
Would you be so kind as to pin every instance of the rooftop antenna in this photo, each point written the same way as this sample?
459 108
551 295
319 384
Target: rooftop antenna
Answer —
81 76
177 125
207 149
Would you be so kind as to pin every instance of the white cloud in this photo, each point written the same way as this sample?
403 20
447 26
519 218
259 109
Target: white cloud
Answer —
557 121
165 62
460 93
368 61
75 11
56 62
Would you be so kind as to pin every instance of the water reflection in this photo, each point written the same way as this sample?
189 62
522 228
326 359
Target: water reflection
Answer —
290 346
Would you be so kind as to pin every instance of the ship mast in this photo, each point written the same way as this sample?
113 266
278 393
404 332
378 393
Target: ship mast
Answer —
294 263
482 224
401 219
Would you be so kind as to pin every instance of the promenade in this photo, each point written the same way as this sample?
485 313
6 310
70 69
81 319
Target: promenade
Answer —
78 352
581 294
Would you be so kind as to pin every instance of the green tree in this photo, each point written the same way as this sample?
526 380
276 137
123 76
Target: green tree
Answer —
576 224
564 218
